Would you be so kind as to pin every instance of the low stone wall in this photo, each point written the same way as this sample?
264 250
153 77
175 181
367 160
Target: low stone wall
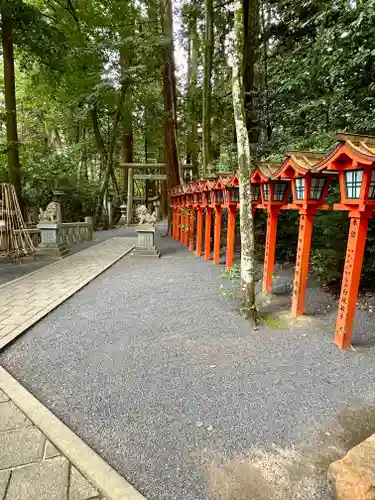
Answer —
75 232
70 233
353 477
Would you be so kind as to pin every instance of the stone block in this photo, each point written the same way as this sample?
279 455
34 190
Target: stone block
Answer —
52 251
3 397
4 478
47 480
353 477
80 488
50 450
11 417
146 235
51 246
50 232
19 447
146 242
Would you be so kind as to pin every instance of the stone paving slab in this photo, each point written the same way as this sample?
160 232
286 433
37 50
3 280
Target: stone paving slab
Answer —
26 300
43 460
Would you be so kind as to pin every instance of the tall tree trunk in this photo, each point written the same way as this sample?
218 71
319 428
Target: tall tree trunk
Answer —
110 154
127 154
127 146
99 139
192 145
14 168
250 57
188 101
265 69
244 170
207 90
173 166
127 150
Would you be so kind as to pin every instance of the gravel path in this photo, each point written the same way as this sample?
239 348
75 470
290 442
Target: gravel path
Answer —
158 373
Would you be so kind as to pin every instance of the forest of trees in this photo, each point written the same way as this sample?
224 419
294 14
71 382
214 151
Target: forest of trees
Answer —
94 83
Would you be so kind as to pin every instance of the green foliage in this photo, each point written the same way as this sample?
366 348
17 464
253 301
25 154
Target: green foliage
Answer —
233 274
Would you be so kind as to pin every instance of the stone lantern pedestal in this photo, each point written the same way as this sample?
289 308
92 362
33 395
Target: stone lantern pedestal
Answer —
51 246
123 219
146 241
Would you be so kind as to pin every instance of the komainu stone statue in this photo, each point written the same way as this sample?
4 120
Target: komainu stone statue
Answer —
51 214
144 217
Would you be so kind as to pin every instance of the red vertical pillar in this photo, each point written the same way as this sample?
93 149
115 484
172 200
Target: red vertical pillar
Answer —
182 224
351 277
269 255
217 235
302 263
231 231
198 250
207 240
187 227
191 230
171 223
177 223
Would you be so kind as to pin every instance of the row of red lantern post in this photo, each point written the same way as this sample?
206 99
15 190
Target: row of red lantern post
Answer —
307 176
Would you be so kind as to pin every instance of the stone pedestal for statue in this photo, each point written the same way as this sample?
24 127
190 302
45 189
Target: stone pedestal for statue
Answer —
146 241
51 246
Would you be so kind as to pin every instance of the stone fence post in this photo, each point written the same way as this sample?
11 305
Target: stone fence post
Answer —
88 221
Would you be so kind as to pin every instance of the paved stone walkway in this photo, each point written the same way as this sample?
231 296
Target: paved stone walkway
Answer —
25 301
31 468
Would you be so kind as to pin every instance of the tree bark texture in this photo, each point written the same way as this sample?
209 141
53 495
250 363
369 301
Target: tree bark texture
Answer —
250 57
244 170
109 156
127 148
207 90
14 168
192 146
173 167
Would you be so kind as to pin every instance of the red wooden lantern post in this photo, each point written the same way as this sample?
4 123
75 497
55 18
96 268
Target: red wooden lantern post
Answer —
274 195
206 202
199 207
354 160
191 211
186 210
182 216
174 212
176 232
309 190
231 202
217 199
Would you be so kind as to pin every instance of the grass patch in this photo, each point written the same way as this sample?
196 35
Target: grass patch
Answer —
274 321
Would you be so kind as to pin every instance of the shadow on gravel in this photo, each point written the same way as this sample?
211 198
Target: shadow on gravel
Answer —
293 473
